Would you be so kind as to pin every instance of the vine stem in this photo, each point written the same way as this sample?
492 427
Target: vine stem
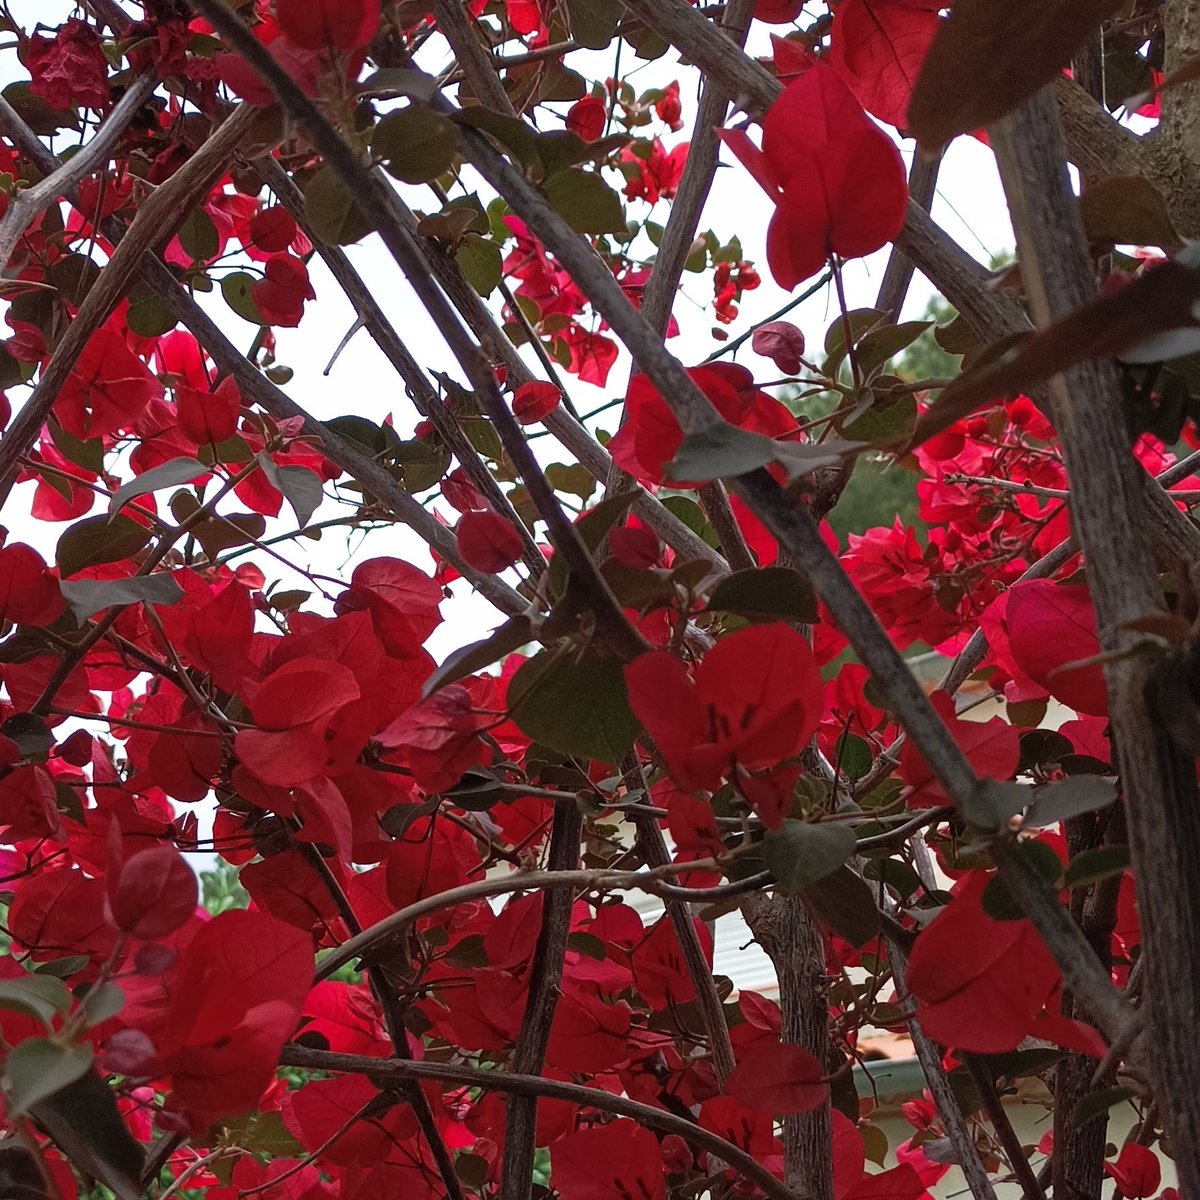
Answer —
534 1085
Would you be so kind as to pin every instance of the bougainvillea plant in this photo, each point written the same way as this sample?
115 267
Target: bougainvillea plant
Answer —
435 976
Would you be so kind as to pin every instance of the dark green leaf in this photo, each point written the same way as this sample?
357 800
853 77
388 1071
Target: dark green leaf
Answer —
329 204
799 853
1098 1103
881 344
416 144
594 22
238 290
844 903
1127 210
198 236
1070 798
1091 866
169 474
593 528
378 439
402 81
511 636
766 594
31 734
97 540
883 424
87 597
37 1068
83 1120
574 704
301 487
42 997
585 202
720 452
991 805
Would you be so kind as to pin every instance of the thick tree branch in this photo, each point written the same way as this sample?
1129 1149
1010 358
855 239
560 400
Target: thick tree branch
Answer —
540 1006
1160 783
784 928
31 202
156 222
897 275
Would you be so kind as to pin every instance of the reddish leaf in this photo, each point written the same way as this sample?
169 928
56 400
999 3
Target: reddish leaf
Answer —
69 70
328 24
836 178
1137 1171
535 401
992 747
280 296
293 708
208 417
878 46
28 805
587 118
1049 627
108 389
234 1002
402 600
620 1161
781 342
488 542
755 701
980 982
778 1078
777 12
154 892
900 1183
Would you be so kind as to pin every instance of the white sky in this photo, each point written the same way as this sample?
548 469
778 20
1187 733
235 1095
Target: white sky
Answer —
969 205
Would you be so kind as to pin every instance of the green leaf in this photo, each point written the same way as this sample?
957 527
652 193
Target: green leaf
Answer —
169 474
198 236
999 903
402 81
724 451
238 290
512 635
97 540
40 996
719 452
102 1004
31 734
1127 210
585 202
593 528
481 261
881 344
87 454
990 805
416 144
1070 797
800 853
83 1120
37 1068
329 204
376 438
1098 1103
844 903
87 597
766 594
300 487
574 704
1092 866
884 424
594 22
149 316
